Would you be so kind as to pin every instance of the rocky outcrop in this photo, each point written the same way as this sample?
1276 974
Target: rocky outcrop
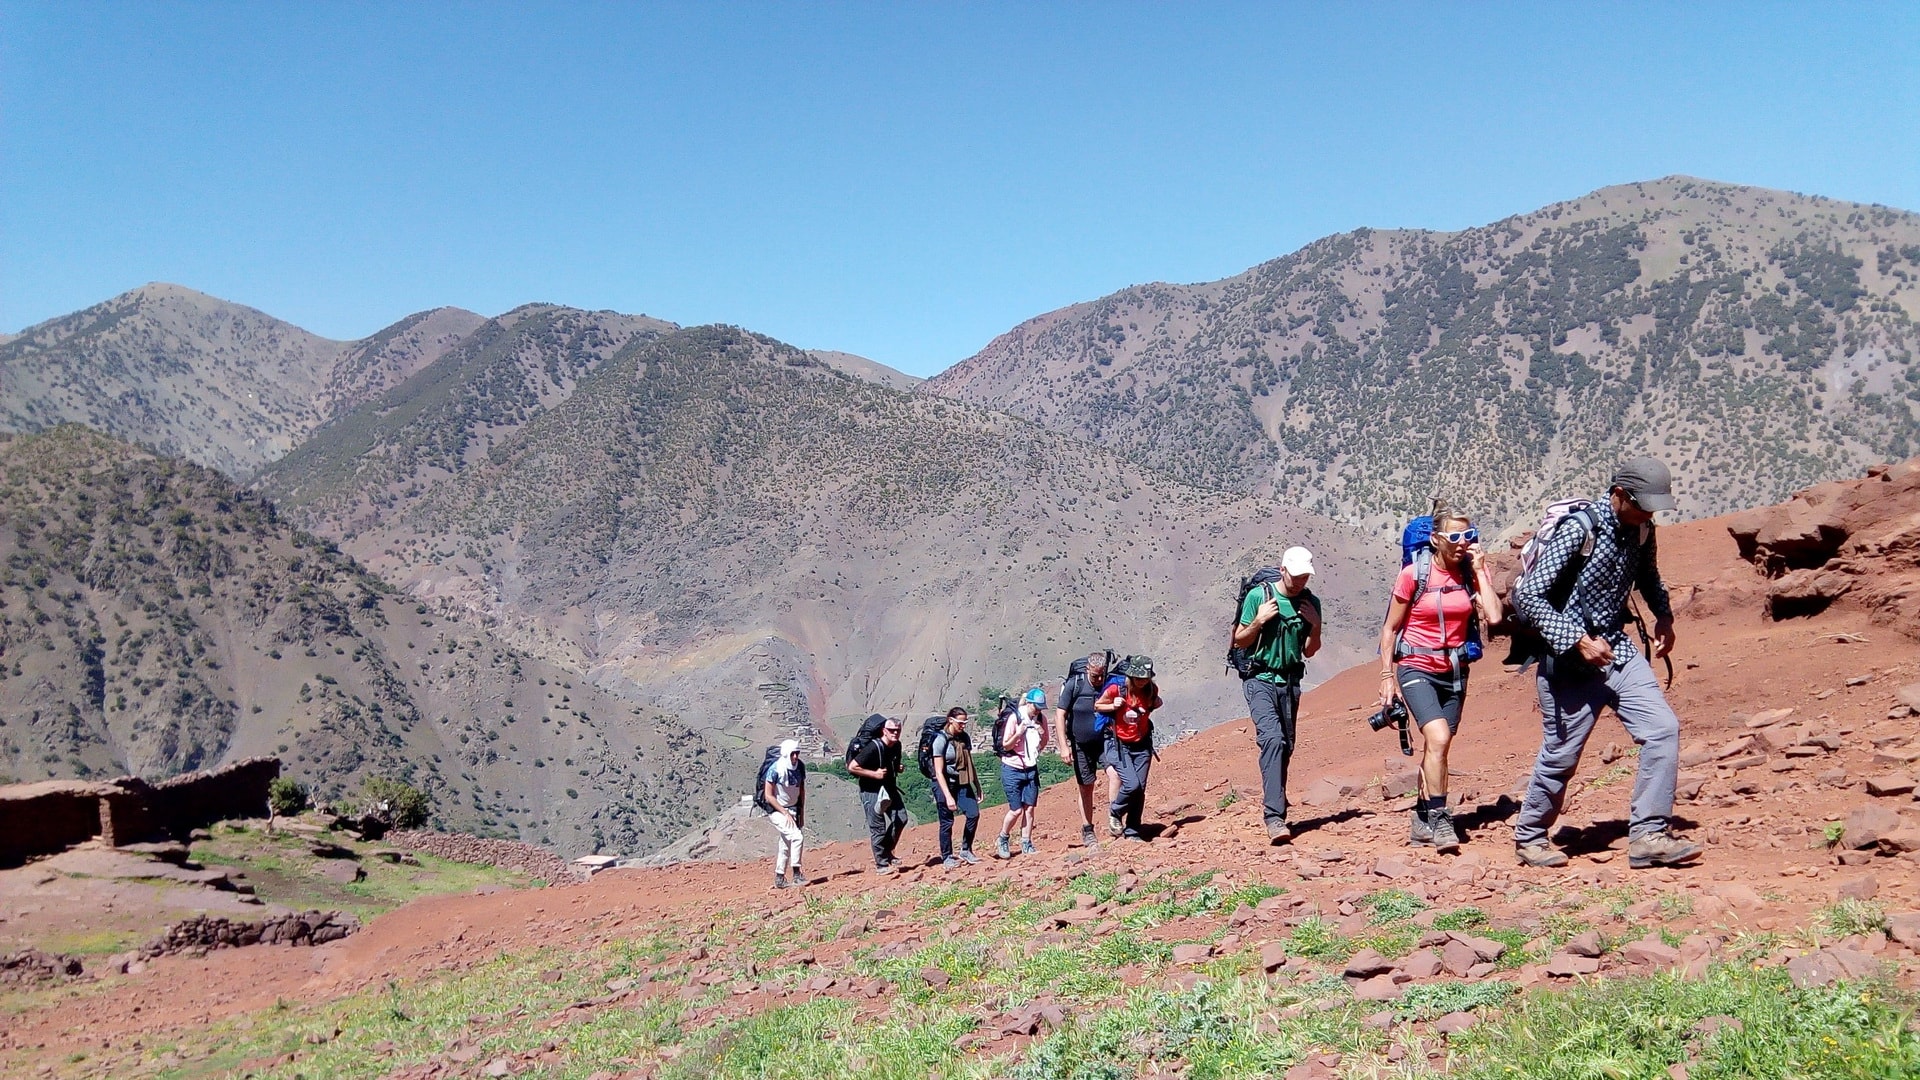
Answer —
1852 539
32 967
507 854
213 932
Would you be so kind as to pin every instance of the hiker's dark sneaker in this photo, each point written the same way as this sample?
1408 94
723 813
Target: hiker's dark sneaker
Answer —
1134 836
1115 825
1420 832
1027 848
1446 839
1087 837
886 870
1540 855
967 856
799 879
779 881
1000 849
1278 833
1660 849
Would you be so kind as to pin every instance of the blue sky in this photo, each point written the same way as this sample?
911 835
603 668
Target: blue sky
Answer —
900 180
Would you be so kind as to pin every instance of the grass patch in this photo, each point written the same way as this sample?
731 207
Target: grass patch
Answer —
1389 906
1850 917
1462 919
1429 1000
1315 938
1636 1027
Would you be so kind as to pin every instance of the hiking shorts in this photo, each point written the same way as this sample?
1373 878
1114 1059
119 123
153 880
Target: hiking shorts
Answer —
1023 786
1431 696
1088 759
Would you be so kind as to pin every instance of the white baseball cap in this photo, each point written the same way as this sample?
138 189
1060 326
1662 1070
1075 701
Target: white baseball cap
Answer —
1297 561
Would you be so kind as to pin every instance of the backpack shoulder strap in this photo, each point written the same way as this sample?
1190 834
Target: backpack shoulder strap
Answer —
1422 570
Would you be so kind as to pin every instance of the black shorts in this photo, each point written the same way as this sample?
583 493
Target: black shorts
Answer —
1431 696
1088 759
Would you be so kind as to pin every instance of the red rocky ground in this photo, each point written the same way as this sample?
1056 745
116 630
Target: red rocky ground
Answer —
1789 725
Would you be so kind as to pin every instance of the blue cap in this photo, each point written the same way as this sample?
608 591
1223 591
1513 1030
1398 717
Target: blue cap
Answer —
1036 696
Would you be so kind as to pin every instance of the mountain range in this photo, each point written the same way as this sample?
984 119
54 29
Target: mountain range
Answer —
711 539
1759 341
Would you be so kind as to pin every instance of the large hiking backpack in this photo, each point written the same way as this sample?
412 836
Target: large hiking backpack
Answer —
869 733
1416 550
760 780
1008 707
929 728
1079 667
1237 659
1528 646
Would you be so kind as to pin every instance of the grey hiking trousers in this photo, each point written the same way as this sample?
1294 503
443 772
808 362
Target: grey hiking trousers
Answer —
1568 708
1273 707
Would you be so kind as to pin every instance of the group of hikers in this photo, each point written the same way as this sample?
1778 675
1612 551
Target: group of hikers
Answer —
1567 614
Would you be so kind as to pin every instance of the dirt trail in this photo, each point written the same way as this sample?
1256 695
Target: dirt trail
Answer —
1759 797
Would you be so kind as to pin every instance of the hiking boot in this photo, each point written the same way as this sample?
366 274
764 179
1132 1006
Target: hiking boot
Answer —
1000 849
1115 825
885 870
1027 848
1087 837
799 879
1540 854
1660 849
1278 833
779 881
1421 831
1440 829
950 863
967 856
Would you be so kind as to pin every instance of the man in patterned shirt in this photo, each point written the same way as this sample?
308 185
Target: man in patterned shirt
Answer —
1591 663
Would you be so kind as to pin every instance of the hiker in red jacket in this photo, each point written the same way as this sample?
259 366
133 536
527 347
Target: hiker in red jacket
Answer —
1130 741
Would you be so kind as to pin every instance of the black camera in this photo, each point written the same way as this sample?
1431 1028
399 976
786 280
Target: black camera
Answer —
1394 713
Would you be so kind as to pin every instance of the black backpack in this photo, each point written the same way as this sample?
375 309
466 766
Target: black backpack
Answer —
1237 660
760 781
1008 707
869 732
929 728
1079 667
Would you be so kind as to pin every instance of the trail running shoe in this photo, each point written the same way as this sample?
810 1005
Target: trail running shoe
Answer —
1446 838
1421 831
967 856
1660 849
1027 848
1278 833
799 879
1000 849
1540 855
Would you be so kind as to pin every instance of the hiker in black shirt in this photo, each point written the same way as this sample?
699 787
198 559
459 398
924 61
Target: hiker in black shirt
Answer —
876 768
1081 741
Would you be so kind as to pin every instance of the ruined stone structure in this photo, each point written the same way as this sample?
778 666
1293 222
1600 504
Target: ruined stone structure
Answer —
53 815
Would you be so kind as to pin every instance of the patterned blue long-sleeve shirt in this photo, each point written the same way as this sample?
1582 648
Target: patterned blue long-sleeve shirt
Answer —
1598 601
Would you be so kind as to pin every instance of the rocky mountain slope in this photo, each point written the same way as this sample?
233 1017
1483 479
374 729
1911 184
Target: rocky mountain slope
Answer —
182 372
1758 340
748 537
154 619
1791 948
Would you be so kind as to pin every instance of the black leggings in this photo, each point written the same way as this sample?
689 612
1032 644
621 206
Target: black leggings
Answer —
1431 696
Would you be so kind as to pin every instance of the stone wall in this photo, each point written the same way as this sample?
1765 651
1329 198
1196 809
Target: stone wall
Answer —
507 854
53 815
49 816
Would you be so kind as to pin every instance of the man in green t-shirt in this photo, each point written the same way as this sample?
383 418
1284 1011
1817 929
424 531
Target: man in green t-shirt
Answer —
1279 628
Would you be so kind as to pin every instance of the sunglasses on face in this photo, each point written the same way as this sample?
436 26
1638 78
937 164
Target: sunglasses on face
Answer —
1466 537
891 730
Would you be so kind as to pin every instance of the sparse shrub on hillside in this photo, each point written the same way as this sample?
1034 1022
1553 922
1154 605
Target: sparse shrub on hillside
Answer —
286 796
396 801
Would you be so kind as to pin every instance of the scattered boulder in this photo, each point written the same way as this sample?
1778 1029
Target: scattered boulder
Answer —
1889 785
1585 944
1828 966
1566 966
1865 887
1367 963
1865 826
